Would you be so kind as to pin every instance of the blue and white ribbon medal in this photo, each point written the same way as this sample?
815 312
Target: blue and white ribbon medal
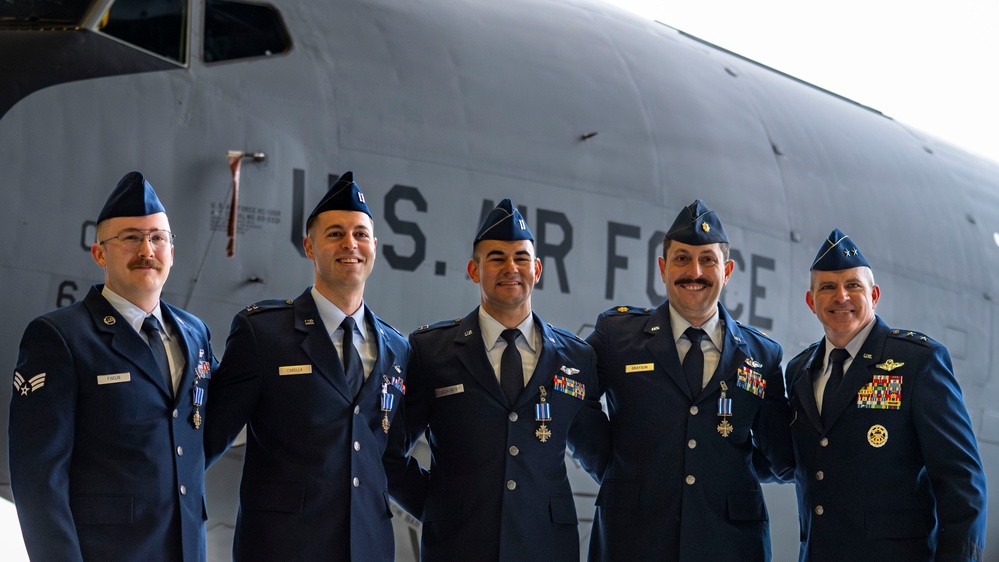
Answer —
724 410
387 401
543 413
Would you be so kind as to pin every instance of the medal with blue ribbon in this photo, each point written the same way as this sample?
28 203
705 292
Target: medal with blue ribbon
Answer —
724 410
387 401
543 413
198 398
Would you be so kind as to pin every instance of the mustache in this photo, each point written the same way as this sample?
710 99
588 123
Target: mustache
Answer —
145 262
690 280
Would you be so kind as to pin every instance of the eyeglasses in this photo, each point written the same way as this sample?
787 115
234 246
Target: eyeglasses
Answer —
132 238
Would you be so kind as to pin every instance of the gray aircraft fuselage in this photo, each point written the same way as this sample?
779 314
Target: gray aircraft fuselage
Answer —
600 124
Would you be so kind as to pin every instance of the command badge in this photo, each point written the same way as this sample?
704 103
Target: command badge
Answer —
877 436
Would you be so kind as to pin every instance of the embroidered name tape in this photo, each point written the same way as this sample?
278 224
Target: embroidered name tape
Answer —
449 390
639 367
295 370
114 378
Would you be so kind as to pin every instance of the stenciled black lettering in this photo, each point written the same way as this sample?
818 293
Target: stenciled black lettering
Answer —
406 228
66 295
758 291
654 279
88 234
615 261
557 252
734 311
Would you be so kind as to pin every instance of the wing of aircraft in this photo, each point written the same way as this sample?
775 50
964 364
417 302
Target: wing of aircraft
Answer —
601 123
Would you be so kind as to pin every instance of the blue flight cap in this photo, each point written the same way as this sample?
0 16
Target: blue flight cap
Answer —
132 197
504 223
343 195
697 225
838 252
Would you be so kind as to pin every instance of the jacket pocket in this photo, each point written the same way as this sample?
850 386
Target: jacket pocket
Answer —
102 510
279 497
620 494
746 506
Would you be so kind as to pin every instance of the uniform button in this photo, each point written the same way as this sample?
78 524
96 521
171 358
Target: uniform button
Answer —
356 482
513 416
823 442
511 485
690 479
357 445
176 414
183 490
693 410
514 451
180 451
819 510
820 475
692 443
357 410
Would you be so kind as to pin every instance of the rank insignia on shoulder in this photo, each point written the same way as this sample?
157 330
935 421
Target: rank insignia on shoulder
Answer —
889 365
25 387
622 309
882 393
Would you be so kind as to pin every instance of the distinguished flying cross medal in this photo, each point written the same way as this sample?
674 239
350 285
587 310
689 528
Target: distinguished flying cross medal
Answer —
543 413
203 371
724 410
387 401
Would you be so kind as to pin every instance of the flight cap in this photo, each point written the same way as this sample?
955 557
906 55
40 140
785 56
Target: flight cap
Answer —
504 223
343 195
132 197
838 252
697 225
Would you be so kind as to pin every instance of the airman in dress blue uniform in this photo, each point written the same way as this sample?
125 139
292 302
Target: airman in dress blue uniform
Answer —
319 382
106 449
498 415
688 420
887 464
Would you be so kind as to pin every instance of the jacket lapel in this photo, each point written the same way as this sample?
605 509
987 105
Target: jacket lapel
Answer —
732 355
472 355
860 372
804 386
385 360
316 343
662 345
125 341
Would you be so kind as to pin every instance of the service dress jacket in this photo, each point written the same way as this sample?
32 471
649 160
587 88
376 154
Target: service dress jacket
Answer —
681 483
498 488
896 474
105 461
313 485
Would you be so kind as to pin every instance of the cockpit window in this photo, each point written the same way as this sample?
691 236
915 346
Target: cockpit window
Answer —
236 30
158 26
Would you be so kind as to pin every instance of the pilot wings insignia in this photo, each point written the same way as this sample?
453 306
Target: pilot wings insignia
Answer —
24 387
889 365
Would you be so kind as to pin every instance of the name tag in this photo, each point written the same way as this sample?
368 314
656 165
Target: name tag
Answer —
639 367
295 370
115 378
449 390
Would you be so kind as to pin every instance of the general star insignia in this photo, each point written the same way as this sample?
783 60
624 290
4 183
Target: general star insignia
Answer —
889 365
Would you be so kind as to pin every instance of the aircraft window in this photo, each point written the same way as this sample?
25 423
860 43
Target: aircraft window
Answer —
159 27
235 30
42 15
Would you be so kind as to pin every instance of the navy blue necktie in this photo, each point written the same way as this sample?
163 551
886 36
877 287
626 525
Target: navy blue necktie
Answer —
151 326
511 366
693 362
351 360
837 358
